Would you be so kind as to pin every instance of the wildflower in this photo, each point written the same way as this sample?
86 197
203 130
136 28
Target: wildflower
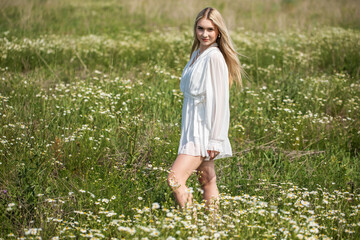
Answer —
305 203
32 231
173 183
311 212
263 204
262 212
132 231
88 235
110 214
313 224
155 206
217 235
291 195
154 233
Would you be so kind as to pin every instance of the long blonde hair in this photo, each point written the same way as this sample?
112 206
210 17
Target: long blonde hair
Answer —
224 42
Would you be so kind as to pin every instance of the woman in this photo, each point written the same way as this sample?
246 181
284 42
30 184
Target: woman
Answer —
205 115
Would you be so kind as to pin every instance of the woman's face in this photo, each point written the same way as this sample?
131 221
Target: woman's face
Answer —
206 33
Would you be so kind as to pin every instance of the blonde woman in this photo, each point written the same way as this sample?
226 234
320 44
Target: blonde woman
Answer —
205 81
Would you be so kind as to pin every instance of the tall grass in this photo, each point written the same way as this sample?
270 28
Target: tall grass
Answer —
35 17
90 124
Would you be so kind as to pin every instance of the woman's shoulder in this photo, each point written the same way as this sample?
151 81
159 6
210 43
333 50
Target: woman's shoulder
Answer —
215 55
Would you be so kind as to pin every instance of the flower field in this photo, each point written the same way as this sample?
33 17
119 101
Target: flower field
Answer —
90 125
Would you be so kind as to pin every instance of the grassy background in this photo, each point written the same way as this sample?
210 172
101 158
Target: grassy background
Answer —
34 17
90 100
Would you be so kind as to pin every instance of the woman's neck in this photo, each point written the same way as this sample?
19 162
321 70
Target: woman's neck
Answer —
202 48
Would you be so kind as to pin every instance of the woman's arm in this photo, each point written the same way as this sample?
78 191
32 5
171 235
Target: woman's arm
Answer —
217 101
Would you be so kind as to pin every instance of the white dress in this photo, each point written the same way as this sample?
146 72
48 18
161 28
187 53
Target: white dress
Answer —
205 111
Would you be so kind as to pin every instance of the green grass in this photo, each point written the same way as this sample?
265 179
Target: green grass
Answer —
109 17
90 119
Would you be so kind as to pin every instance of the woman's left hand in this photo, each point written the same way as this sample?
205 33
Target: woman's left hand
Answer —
212 154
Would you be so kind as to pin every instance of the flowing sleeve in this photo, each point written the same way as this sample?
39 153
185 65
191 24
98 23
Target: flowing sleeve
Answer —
217 101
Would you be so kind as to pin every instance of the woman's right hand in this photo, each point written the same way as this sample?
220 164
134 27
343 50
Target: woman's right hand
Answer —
212 154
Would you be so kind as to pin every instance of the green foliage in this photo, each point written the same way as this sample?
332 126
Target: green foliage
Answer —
90 124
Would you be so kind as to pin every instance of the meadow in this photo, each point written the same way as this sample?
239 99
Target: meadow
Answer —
90 120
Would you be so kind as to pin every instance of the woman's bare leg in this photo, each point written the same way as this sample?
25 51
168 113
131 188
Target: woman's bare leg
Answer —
207 178
180 171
